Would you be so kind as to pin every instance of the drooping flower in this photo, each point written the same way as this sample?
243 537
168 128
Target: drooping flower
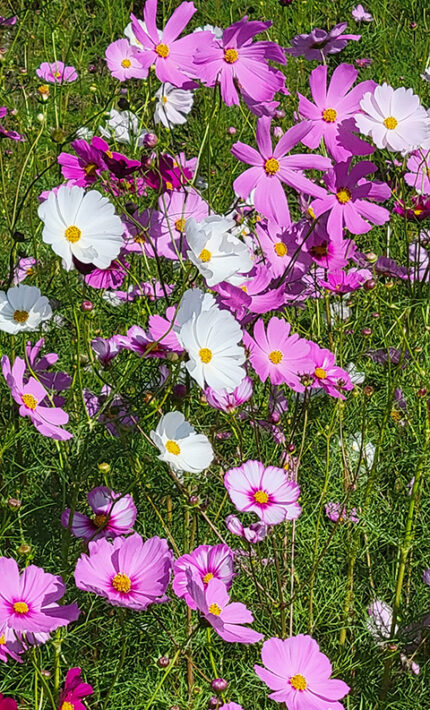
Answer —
393 118
8 21
114 514
319 43
325 373
4 132
256 532
229 401
206 561
418 176
335 512
82 225
29 601
299 674
179 444
272 167
123 61
56 73
128 571
266 491
23 309
85 168
380 621
106 349
226 617
173 105
361 15
124 127
74 691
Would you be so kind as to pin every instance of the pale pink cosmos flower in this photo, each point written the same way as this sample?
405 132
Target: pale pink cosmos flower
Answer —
272 167
361 15
299 674
325 373
24 268
266 491
113 514
208 562
418 176
162 332
282 248
335 512
231 706
123 61
175 208
229 401
56 73
256 532
319 43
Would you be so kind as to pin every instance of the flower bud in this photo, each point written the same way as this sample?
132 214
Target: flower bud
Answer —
369 284
14 503
104 467
24 549
150 140
87 306
219 685
163 662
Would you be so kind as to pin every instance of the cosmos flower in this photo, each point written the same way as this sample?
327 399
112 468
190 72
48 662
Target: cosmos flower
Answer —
85 168
380 621
426 576
341 282
206 561
179 444
229 401
256 532
123 61
281 248
8 22
123 126
173 105
7 703
319 43
23 309
13 135
106 349
112 277
115 414
266 491
161 330
360 15
334 512
228 706
56 73
176 207
326 374
29 601
74 691
24 269
418 176
114 514
40 365
299 674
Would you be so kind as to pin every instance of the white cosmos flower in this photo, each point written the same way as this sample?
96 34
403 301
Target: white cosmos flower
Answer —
193 302
82 225
180 446
173 105
23 308
218 255
216 31
393 118
123 126
211 341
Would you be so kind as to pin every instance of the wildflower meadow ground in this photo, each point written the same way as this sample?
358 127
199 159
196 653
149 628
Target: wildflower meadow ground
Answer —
214 343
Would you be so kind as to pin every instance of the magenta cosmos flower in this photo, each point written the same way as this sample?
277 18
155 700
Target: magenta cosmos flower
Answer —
74 691
28 602
318 43
266 491
128 572
276 354
123 61
270 168
331 116
226 617
326 374
85 168
229 401
208 562
7 703
172 57
235 60
346 200
56 73
300 674
114 514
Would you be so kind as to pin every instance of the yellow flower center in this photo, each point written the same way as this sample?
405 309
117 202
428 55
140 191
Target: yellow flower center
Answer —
67 706
126 63
57 74
121 583
162 50
205 255
140 238
244 288
276 357
109 154
73 234
320 373
169 185
207 578
90 170
173 448
20 608
43 90
311 213
164 99
30 271
271 166
2 640
281 249
261 497
20 316
231 56
180 226
205 355
391 123
343 195
215 609
329 115
99 520
298 682
29 401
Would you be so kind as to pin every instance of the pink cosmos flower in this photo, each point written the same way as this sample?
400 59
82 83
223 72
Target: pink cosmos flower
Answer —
24 269
426 576
84 168
128 572
256 532
114 514
360 15
106 349
8 21
346 199
334 511
161 330
56 73
319 43
380 621
224 616
28 602
123 61
176 207
328 252
10 646
228 706
300 674
325 373
143 237
276 354
74 691
345 281
206 561
40 365
229 401
270 168
115 414
418 176
172 57
33 401
141 343
112 277
266 491
331 116
281 248
7 703
235 60
13 135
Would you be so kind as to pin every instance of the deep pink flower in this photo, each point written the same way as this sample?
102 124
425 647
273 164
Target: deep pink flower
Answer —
300 674
123 61
224 616
84 168
7 703
13 135
326 374
419 210
229 401
334 511
319 43
266 491
10 646
114 514
8 22
112 277
128 572
328 252
161 330
236 60
270 168
141 343
276 354
74 691
28 602
346 199
228 706
331 116
208 562
256 532
345 281
56 73
418 176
